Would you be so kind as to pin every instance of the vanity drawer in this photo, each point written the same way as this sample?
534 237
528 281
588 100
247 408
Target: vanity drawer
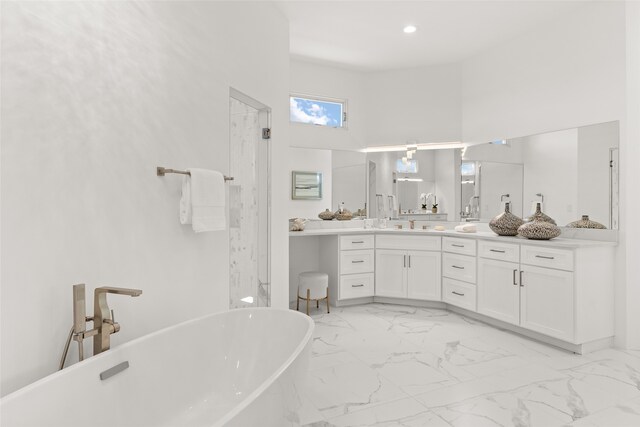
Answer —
420 243
460 267
500 251
357 242
458 293
459 246
358 261
562 259
356 286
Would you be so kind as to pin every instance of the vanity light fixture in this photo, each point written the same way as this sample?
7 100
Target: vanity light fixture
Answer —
423 146
409 29
409 179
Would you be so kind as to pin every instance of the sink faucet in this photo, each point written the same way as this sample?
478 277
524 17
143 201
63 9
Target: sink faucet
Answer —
103 322
103 319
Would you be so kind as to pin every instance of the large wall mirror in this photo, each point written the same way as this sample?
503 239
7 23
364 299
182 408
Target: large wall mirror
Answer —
571 172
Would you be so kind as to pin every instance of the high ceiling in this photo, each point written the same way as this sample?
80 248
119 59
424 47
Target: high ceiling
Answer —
367 35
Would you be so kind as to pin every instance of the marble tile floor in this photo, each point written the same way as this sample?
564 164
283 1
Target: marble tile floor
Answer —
390 365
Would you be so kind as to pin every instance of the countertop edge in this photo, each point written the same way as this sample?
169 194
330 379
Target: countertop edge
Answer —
482 235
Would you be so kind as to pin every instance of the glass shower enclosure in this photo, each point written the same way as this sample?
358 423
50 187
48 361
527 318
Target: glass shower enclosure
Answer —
249 202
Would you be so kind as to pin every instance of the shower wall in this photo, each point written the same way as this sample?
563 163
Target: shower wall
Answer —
248 208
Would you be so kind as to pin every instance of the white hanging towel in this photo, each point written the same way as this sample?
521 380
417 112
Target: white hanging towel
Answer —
185 201
208 208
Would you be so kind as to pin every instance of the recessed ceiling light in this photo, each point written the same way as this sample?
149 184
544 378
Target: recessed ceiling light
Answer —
409 29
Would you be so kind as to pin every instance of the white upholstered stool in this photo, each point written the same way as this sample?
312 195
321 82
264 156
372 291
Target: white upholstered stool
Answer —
313 286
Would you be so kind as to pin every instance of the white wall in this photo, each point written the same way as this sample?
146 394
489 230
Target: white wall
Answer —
310 160
95 95
313 79
566 74
420 104
628 295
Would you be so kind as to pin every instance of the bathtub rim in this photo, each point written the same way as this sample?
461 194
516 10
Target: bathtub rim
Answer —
230 414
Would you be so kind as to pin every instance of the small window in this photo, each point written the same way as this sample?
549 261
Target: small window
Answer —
318 111
468 169
405 165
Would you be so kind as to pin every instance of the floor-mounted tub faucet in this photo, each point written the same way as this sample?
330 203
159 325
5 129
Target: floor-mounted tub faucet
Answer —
103 321
103 317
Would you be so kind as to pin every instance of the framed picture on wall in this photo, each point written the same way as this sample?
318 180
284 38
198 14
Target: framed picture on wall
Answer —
306 185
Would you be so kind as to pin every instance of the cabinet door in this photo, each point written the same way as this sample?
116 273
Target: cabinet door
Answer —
391 274
546 301
424 276
498 290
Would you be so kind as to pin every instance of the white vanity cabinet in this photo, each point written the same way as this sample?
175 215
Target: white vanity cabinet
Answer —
559 291
547 301
541 292
498 281
459 272
498 290
413 272
356 267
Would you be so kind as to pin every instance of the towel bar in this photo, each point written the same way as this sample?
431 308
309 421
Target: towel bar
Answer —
160 171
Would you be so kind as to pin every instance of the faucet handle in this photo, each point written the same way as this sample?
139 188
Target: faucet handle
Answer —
113 318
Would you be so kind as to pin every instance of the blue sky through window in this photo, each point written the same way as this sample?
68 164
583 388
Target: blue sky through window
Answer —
316 112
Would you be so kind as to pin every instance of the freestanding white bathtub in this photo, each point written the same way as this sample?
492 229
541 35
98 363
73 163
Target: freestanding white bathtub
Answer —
238 368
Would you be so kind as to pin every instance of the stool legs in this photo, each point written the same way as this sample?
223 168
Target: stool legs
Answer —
327 299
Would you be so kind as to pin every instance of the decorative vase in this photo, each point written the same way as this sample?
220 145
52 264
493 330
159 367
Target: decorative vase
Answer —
540 215
297 224
434 210
506 223
538 229
345 215
327 215
585 222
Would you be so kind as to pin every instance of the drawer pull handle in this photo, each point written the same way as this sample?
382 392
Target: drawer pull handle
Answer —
457 293
514 277
521 282
357 286
357 262
458 267
545 257
359 241
496 250
457 246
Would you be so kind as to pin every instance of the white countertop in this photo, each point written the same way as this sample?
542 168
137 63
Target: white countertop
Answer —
559 242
